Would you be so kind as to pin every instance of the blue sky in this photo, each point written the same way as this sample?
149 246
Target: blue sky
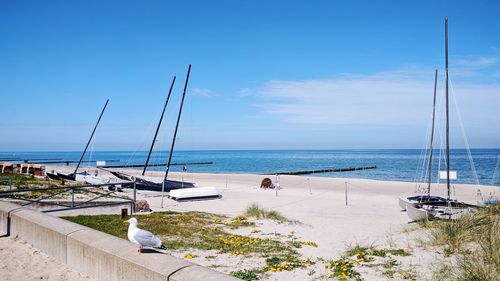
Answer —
265 74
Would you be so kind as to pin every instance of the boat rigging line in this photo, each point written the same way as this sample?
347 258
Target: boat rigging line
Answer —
91 136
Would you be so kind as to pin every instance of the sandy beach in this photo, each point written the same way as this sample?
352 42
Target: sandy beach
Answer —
23 262
371 217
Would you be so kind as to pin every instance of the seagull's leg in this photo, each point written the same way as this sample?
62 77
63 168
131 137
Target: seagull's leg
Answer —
139 251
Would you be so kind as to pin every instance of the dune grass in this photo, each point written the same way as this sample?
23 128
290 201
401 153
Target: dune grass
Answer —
475 240
255 211
358 250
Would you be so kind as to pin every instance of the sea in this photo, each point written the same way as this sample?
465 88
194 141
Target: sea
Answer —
391 164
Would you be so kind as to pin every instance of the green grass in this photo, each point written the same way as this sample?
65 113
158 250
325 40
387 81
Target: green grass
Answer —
255 211
383 259
205 231
248 275
23 181
371 251
191 230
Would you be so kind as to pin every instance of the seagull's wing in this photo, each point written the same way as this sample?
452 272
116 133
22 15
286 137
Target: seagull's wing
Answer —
146 238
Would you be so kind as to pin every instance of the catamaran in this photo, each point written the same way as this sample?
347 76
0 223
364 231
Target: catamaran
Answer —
449 208
166 185
412 200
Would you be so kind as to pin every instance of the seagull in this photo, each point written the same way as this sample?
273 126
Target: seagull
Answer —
142 237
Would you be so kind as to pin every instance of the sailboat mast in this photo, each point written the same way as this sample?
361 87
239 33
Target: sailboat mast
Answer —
91 136
447 112
432 133
176 127
158 128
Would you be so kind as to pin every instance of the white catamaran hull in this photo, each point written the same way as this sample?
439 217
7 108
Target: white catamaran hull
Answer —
402 203
418 214
100 180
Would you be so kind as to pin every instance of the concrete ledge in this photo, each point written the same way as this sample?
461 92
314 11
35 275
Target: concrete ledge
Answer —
99 255
106 257
5 209
44 232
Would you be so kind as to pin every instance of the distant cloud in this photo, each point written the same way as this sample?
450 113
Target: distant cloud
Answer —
244 92
201 92
387 98
474 67
481 62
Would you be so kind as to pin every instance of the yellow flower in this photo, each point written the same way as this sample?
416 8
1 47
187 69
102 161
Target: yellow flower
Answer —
190 256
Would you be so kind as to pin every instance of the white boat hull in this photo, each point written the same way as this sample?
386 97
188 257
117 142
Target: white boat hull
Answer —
101 180
402 203
417 214
194 193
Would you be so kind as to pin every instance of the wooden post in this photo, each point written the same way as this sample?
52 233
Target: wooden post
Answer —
309 184
162 192
135 195
346 193
124 213
276 185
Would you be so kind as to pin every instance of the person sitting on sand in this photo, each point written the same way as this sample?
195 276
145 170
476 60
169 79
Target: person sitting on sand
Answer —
267 183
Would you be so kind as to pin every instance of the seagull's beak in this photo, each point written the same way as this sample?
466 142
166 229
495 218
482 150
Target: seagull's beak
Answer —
125 222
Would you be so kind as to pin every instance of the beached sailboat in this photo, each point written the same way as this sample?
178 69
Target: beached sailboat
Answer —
142 184
165 185
448 209
195 193
412 200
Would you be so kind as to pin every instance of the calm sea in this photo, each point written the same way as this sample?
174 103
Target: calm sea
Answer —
399 165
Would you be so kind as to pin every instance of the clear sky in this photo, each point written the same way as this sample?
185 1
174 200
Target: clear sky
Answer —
265 74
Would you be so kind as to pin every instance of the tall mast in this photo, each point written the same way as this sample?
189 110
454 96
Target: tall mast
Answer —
447 111
432 133
158 128
91 136
176 127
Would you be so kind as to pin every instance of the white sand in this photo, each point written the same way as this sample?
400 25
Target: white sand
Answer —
20 261
371 218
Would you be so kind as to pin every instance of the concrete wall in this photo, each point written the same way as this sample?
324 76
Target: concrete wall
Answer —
97 254
5 209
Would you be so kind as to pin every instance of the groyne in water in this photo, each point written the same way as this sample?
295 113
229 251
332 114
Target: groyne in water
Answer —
307 172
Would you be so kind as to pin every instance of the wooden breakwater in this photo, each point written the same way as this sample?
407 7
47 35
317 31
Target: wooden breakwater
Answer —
307 172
